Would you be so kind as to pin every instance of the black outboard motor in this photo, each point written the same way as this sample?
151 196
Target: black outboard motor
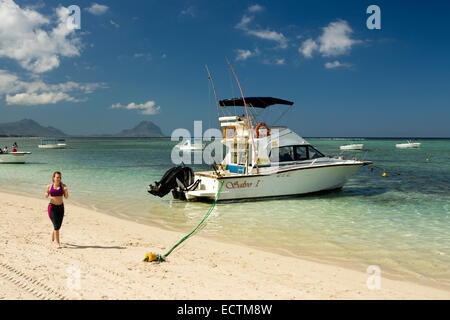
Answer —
178 178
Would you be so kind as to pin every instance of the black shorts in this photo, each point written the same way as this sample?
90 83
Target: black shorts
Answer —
56 214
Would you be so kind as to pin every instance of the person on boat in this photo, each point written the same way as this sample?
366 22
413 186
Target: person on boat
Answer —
5 149
57 190
14 147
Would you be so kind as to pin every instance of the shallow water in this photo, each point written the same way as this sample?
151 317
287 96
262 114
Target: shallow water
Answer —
400 223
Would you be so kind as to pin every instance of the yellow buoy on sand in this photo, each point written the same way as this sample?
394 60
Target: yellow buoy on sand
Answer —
149 257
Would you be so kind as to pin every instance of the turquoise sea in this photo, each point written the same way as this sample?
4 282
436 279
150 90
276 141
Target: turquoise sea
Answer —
400 223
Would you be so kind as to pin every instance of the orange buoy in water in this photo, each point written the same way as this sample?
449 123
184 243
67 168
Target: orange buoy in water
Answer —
384 174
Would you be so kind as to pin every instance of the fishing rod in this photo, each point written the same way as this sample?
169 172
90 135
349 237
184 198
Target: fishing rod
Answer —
214 90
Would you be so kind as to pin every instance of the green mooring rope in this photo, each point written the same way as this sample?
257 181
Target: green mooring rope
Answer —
161 258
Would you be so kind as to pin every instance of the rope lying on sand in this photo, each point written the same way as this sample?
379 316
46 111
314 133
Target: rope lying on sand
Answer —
149 257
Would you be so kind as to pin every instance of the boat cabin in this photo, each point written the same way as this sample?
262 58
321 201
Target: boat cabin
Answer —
250 147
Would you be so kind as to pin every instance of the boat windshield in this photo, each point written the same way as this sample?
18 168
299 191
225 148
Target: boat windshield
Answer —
294 153
313 153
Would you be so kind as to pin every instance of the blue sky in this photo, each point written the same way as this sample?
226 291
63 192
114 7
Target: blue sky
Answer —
144 60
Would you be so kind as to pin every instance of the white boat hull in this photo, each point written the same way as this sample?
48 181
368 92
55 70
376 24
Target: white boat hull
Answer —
192 148
352 147
14 157
52 146
408 145
286 182
192 145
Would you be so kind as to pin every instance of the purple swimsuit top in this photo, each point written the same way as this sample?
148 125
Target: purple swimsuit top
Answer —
57 193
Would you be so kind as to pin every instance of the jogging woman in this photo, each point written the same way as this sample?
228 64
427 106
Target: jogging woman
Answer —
56 191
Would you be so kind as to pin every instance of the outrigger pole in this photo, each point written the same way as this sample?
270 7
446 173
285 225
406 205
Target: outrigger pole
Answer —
214 89
246 112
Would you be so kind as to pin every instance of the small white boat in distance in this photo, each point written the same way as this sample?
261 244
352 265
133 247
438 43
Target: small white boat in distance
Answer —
52 144
358 146
14 157
409 144
192 144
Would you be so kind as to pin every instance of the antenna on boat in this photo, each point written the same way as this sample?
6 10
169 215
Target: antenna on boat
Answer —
246 111
214 89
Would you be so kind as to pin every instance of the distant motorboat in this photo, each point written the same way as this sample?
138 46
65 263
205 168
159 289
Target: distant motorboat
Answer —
14 157
192 144
409 144
52 144
358 146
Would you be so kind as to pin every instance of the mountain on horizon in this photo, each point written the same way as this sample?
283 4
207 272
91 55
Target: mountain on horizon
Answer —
143 129
28 128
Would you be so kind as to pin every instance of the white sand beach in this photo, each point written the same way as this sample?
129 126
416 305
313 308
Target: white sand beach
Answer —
102 258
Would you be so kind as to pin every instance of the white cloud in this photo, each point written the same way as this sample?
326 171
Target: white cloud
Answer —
37 92
255 8
337 64
274 61
36 6
114 24
7 81
34 41
191 11
265 34
147 108
280 61
146 56
97 9
243 54
38 98
308 47
335 40
270 35
243 24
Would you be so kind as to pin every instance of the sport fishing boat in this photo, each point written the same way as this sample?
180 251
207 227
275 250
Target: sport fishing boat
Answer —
52 144
192 144
356 146
260 161
14 157
409 144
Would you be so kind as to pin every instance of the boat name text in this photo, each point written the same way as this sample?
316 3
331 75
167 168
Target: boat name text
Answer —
241 185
